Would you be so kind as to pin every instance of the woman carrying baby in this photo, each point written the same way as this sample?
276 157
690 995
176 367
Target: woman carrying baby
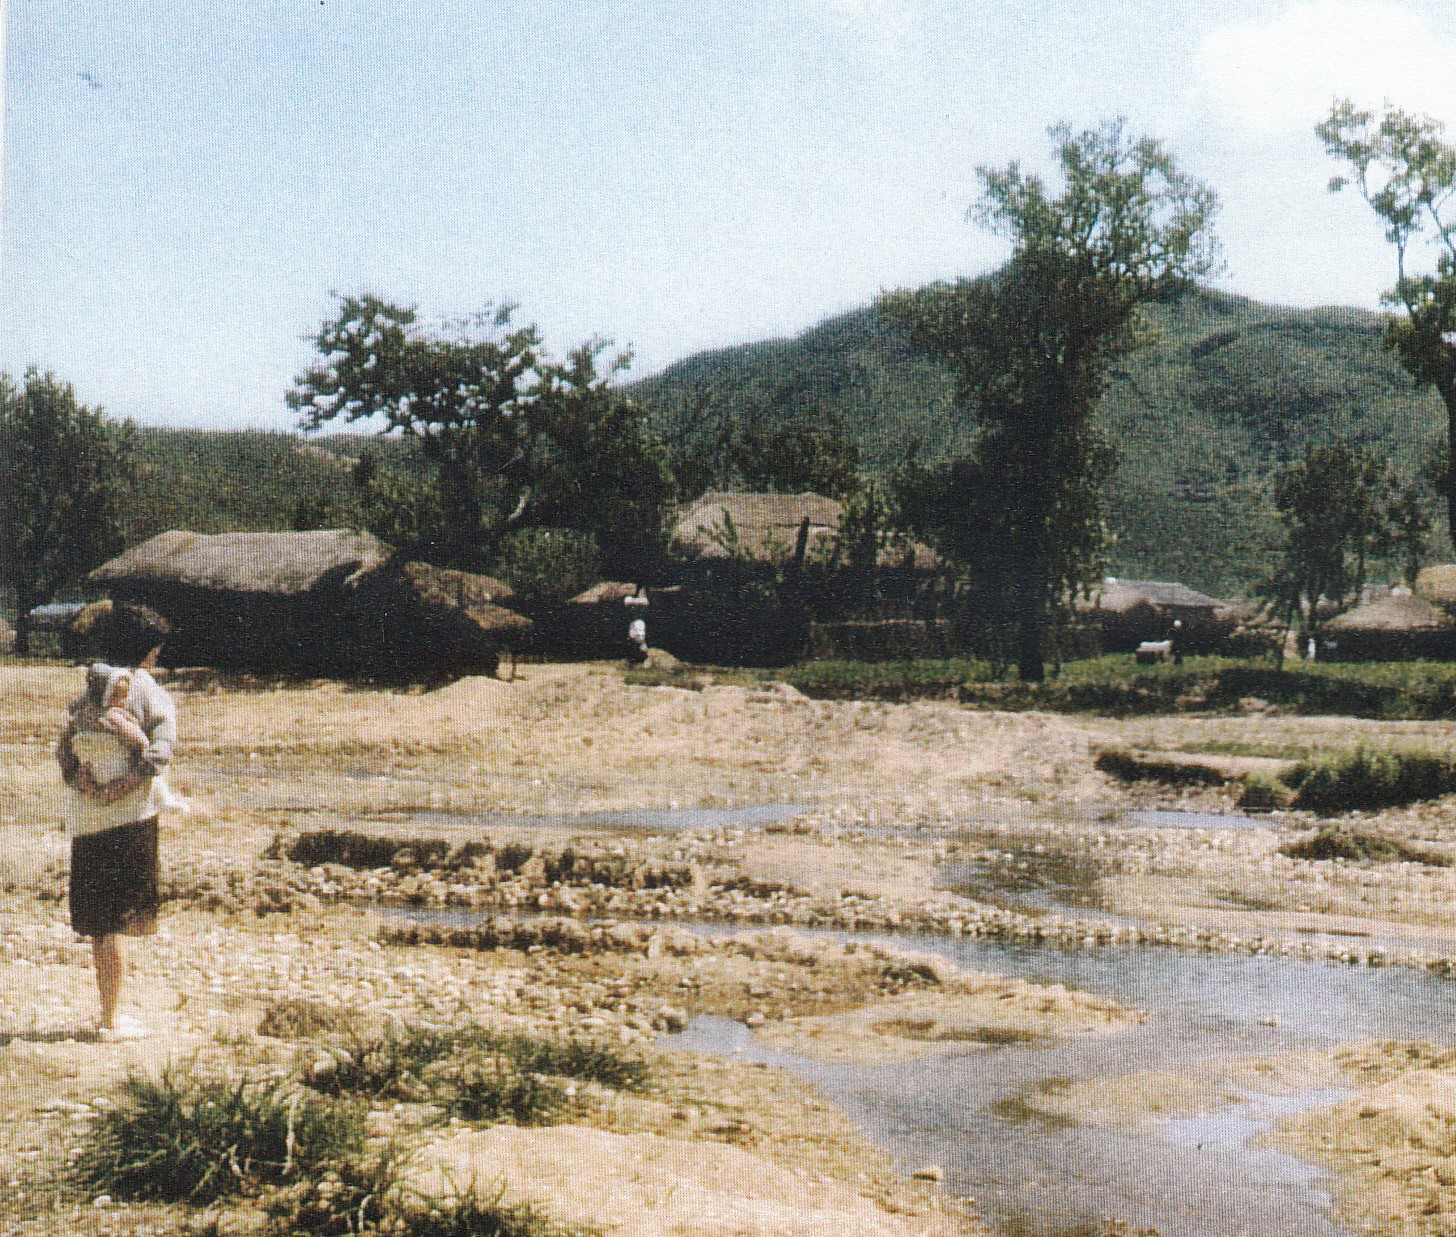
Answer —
116 744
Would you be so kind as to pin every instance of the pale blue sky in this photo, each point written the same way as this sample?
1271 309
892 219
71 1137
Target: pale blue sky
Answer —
675 175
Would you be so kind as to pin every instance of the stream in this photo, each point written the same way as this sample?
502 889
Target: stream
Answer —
1032 1174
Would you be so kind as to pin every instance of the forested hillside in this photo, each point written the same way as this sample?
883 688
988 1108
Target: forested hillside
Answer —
1225 390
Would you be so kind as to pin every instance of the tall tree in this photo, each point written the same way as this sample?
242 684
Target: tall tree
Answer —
1406 171
1335 505
65 470
1030 345
514 438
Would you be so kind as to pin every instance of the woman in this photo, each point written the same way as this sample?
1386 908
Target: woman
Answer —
113 823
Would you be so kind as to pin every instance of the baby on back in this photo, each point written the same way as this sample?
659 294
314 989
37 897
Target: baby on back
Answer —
99 718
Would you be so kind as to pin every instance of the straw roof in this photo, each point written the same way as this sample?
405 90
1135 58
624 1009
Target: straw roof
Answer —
1395 613
1121 595
767 527
605 593
1437 584
7 636
279 563
479 598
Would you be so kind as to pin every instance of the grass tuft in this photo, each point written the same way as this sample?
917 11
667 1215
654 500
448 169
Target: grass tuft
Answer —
1355 845
300 1018
179 1138
1364 779
476 1073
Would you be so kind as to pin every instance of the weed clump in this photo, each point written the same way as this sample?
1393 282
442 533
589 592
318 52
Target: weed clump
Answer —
180 1138
1334 842
1365 779
476 1073
1126 767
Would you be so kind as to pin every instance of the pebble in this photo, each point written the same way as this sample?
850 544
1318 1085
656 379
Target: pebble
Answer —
930 1172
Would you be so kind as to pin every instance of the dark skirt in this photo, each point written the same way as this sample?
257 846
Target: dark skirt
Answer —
114 881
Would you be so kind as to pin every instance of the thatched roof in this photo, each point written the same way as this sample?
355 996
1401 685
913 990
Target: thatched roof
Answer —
7 636
1394 613
1437 584
1120 595
605 593
767 527
473 594
279 563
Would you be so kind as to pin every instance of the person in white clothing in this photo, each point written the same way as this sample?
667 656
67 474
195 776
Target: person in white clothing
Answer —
112 756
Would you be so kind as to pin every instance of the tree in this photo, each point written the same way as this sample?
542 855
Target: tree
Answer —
65 470
1030 347
734 443
1335 506
513 438
1406 171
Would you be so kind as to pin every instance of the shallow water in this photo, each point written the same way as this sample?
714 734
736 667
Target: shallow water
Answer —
661 820
1159 818
976 1116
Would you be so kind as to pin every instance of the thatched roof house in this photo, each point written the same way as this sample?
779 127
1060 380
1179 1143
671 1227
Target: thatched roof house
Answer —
1437 584
328 601
1130 611
766 528
1396 627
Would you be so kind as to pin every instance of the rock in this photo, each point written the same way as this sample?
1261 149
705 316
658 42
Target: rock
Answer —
755 1019
930 1172
101 1200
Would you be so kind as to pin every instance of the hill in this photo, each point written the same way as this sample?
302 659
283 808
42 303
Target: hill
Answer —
1225 391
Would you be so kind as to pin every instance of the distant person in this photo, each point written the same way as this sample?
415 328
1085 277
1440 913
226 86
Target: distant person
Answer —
112 752
1175 642
636 605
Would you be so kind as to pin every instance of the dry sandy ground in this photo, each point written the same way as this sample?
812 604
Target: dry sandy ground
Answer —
883 782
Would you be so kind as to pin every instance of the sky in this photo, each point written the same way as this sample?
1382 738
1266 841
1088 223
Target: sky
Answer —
186 185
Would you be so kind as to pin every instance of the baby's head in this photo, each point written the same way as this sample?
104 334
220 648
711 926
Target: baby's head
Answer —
107 686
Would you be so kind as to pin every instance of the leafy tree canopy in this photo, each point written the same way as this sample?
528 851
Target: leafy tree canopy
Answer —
513 437
1337 507
1030 346
65 471
1404 168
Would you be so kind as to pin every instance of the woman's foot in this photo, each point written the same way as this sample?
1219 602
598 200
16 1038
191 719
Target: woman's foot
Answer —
124 1028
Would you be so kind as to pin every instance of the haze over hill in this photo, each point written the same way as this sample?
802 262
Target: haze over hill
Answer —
1224 391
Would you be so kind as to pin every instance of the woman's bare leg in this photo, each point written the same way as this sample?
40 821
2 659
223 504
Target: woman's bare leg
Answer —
109 955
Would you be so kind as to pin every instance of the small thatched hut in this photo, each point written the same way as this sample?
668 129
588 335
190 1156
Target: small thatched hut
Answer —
1131 611
1397 627
1437 584
327 601
766 528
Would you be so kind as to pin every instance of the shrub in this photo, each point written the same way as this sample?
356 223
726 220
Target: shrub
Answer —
1262 795
1129 768
1365 778
180 1138
1334 842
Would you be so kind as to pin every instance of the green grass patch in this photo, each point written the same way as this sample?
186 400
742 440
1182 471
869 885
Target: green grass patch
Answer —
1116 685
476 1073
1368 779
181 1138
1127 767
